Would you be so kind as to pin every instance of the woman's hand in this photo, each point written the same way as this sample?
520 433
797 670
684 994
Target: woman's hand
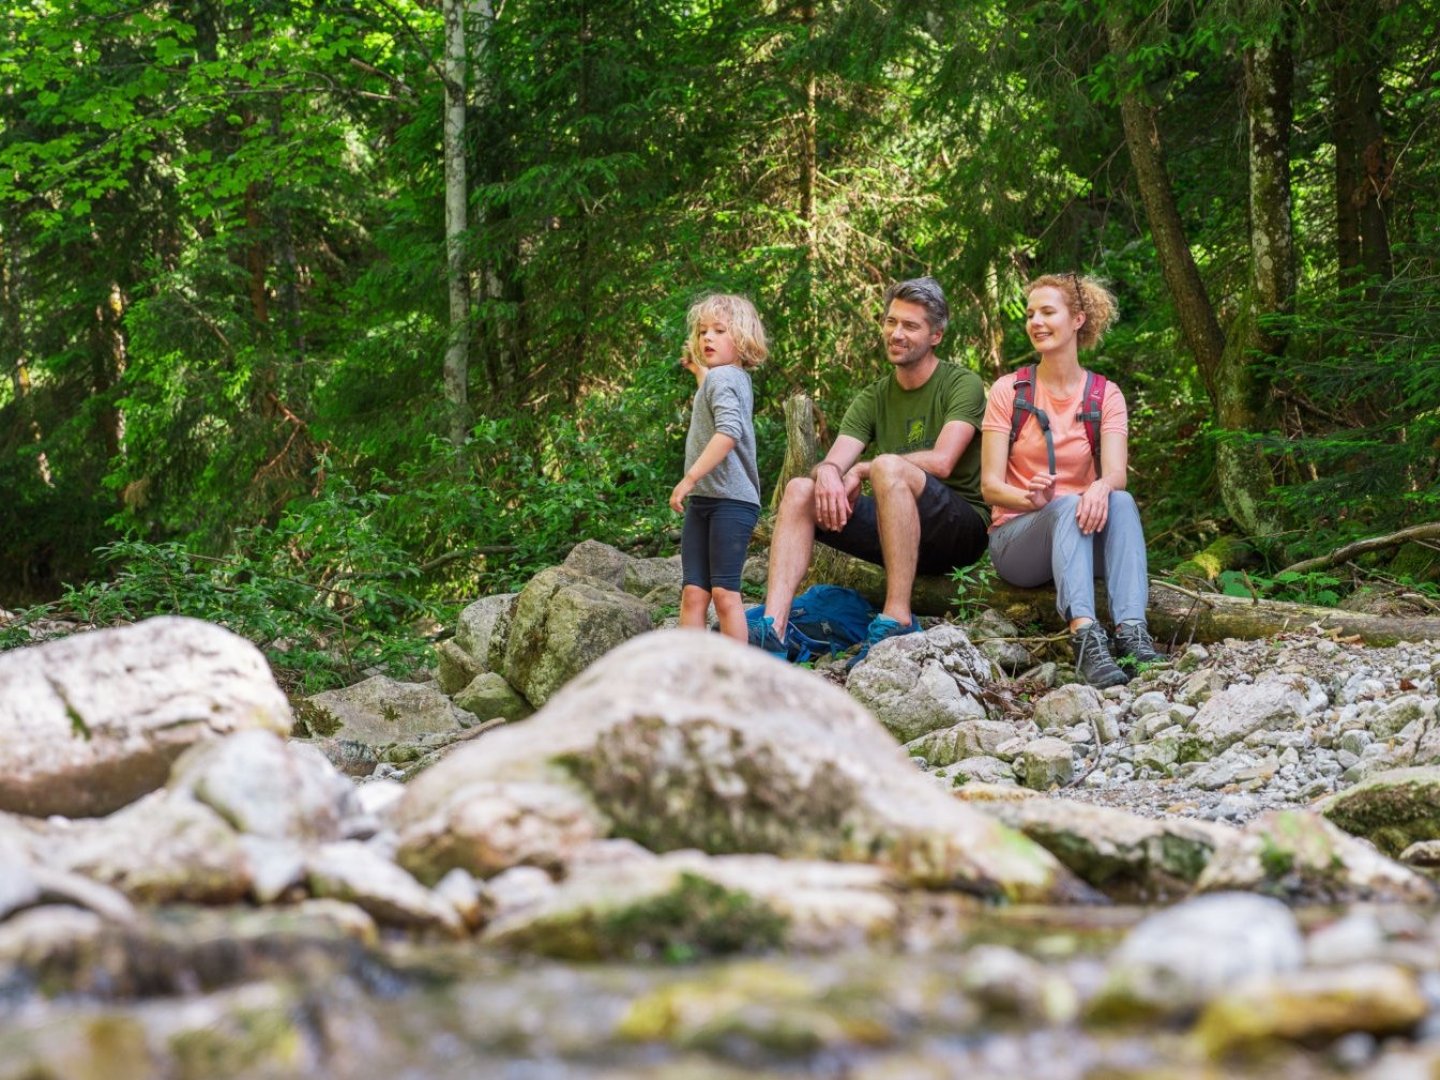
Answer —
1040 490
1094 508
678 493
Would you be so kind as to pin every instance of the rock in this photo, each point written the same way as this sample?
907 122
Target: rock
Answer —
32 937
477 626
1231 715
162 849
691 740
1046 763
994 634
968 738
1152 701
455 668
1391 809
489 696
462 892
1300 856
644 576
918 683
1009 983
562 623
594 559
1068 705
1425 854
381 711
1125 856
1200 687
277 868
1179 958
686 903
485 826
1355 937
18 887
352 872
93 722
1311 1006
263 785
981 769
1395 715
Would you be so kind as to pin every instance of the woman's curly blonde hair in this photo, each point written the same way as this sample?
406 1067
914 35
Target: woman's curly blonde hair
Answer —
739 314
1086 296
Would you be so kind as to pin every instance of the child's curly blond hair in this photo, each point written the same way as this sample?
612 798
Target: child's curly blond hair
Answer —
739 314
1086 296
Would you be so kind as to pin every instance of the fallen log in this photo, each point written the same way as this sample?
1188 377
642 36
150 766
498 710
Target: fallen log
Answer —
1428 531
1177 616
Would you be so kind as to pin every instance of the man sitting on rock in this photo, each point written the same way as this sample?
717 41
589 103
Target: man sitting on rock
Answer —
925 514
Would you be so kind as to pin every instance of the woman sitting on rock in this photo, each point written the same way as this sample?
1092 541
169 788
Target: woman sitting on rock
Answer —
1053 466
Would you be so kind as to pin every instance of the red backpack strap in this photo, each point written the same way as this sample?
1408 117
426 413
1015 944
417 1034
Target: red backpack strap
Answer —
1025 406
1091 409
1024 403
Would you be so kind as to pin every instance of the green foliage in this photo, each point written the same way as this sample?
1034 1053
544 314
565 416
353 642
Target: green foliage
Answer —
971 584
1315 587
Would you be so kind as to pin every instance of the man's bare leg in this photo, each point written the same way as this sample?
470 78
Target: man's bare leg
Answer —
897 485
791 547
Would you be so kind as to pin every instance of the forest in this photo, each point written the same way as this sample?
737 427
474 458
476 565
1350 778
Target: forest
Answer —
320 319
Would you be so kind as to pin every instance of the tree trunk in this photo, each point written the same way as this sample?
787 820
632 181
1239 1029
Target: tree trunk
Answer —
107 364
1243 405
1198 324
809 164
1362 161
802 445
457 351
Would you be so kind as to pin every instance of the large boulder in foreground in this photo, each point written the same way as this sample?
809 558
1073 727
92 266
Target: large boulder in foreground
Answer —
562 622
686 740
93 722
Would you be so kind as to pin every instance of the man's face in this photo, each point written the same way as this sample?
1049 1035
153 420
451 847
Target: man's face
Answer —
909 337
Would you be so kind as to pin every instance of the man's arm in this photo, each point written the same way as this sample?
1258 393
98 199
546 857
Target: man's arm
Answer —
837 481
939 461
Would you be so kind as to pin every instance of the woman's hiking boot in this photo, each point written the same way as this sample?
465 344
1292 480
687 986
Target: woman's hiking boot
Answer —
1133 642
1093 662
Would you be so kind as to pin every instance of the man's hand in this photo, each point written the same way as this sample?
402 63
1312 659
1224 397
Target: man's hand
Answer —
678 493
1094 507
834 495
1040 490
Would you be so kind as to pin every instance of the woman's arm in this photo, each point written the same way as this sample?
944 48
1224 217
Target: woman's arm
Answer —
994 457
1094 508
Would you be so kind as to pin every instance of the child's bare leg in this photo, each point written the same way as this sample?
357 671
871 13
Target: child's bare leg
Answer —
730 610
694 606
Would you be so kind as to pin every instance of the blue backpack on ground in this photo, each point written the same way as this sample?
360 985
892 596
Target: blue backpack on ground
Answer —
824 619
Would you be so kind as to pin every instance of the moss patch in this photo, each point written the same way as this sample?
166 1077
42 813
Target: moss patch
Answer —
696 918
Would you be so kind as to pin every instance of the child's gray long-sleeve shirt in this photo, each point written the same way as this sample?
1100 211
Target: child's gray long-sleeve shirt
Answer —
724 403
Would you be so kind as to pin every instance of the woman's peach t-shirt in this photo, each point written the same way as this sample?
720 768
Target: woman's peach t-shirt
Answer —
1073 463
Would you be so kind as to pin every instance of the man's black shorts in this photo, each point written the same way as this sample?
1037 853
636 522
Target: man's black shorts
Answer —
951 532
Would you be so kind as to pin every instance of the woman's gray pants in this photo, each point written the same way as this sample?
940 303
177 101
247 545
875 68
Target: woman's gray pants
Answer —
1047 545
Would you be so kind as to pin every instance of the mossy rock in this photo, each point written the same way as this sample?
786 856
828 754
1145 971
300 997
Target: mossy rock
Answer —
1392 809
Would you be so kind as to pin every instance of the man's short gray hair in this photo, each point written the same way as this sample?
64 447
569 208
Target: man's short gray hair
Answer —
926 292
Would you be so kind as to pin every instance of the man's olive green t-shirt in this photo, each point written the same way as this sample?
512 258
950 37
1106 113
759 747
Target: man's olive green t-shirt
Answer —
889 419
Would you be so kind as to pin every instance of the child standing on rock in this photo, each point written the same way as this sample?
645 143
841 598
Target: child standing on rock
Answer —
721 482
